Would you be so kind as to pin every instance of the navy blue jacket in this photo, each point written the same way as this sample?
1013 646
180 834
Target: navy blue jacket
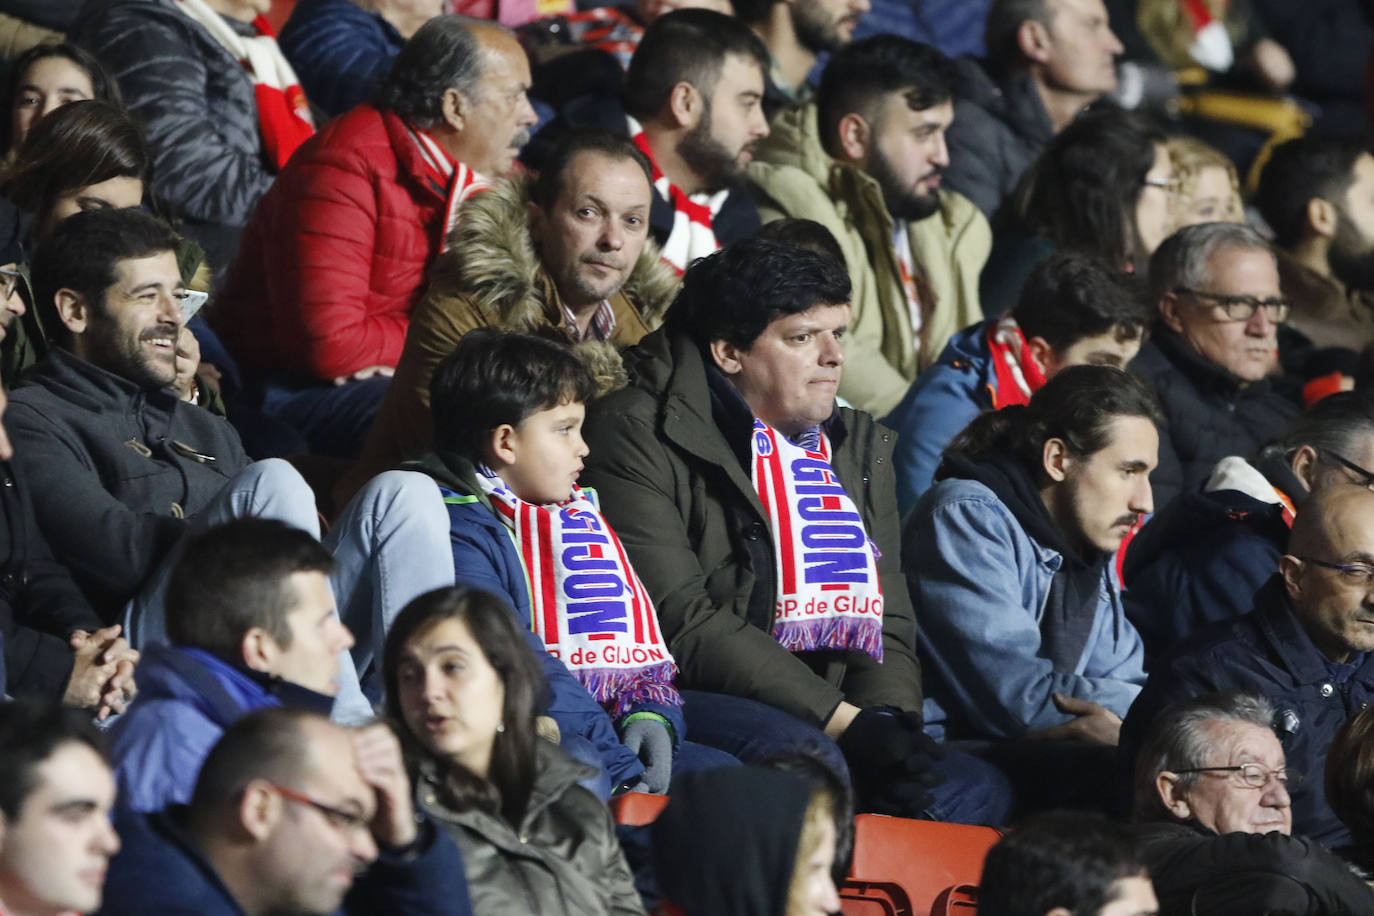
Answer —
1266 652
485 558
339 50
158 871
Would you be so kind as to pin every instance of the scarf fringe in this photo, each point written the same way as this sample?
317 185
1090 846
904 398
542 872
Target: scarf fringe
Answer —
627 688
832 633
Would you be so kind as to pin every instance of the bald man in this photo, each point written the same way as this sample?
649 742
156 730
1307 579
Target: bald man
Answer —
1305 646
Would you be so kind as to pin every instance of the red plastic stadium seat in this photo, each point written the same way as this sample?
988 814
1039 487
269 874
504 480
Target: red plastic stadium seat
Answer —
922 857
960 900
635 809
874 898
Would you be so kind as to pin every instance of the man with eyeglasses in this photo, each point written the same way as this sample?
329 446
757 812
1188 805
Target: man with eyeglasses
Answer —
1203 557
288 809
1214 822
1213 352
1305 646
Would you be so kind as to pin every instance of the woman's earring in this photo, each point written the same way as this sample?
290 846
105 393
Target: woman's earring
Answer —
500 728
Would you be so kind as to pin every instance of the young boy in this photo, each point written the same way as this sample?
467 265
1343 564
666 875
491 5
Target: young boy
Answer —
508 412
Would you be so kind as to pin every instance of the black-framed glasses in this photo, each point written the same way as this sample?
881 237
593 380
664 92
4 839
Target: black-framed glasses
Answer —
9 280
1241 308
1254 775
1363 477
337 817
1360 575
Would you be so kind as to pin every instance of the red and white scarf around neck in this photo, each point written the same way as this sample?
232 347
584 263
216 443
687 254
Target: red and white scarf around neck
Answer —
1018 377
586 602
283 113
829 594
693 235
451 179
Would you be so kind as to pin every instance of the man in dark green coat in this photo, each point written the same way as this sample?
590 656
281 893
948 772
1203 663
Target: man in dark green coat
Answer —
757 595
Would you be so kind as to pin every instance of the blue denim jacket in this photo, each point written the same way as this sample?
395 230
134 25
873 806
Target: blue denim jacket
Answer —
979 584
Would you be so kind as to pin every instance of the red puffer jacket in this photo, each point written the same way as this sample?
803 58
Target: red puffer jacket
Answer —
335 254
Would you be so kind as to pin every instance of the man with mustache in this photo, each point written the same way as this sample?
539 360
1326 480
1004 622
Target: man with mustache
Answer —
317 303
1009 561
796 34
1317 193
865 161
569 252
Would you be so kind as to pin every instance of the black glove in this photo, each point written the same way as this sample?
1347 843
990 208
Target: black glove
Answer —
892 761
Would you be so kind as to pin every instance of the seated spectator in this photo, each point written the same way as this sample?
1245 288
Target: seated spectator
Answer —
508 412
1201 559
728 430
1073 311
290 814
45 78
1208 188
317 304
744 841
1328 42
1317 194
1304 647
1211 793
1210 358
1103 187
462 683
341 49
54 810
1009 562
252 624
123 470
693 105
1046 61
866 161
1347 780
220 104
569 251
796 35
1066 864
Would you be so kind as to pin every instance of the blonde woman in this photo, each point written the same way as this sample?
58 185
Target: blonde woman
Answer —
1208 189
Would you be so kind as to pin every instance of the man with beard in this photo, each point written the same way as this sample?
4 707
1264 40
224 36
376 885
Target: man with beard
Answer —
1317 193
317 303
796 34
866 160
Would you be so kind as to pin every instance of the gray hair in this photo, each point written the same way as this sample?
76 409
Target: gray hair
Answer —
1182 259
1181 738
443 54
1337 423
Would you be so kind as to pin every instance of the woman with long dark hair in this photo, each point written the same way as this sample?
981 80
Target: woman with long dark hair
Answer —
464 689
46 77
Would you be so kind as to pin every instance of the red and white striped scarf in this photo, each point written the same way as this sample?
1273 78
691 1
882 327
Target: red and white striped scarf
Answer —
283 113
586 602
449 178
693 235
829 594
1018 377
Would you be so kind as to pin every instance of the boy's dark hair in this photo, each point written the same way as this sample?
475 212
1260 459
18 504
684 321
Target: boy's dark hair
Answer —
861 73
1070 296
1077 406
493 378
1059 859
734 294
235 577
1297 172
804 233
545 189
31 731
685 46
443 54
83 250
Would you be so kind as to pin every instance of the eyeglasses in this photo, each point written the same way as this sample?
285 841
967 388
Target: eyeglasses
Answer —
9 280
1241 308
1254 775
1169 186
344 821
1363 477
1356 574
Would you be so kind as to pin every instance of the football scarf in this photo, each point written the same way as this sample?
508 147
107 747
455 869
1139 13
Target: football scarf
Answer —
586 602
451 179
283 113
829 595
692 235
1018 377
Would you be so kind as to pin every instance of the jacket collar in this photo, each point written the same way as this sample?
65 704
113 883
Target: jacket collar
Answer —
1203 373
409 156
1288 640
89 386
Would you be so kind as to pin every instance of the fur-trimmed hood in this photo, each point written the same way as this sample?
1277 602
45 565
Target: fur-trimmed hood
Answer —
491 262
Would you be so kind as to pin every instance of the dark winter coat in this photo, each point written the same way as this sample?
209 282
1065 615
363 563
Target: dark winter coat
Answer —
339 50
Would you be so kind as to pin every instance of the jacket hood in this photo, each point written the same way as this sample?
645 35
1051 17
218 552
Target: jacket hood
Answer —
492 260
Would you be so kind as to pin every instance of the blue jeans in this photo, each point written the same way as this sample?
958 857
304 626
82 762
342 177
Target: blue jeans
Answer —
333 418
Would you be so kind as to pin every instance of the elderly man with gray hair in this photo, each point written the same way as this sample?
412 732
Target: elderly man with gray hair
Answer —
1211 799
1210 359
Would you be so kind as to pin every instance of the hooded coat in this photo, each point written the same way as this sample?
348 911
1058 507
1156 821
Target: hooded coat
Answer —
493 277
795 177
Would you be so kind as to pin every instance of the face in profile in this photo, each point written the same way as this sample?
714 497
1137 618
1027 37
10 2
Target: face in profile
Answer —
721 142
1081 56
311 656
541 458
1100 497
54 855
1250 799
1336 606
1154 206
47 85
826 25
498 115
909 155
1351 253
